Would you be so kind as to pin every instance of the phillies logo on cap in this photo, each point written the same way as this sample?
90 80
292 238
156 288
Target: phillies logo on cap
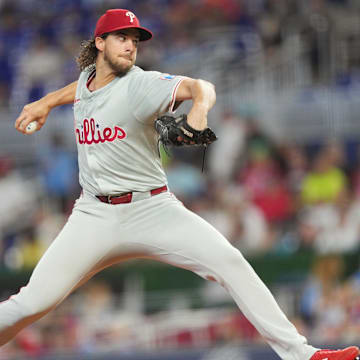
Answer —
131 15
118 19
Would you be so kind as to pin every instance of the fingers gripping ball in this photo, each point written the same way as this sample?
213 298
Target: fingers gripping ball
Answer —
31 127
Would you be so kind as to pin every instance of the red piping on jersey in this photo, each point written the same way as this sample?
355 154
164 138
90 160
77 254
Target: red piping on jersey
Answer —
90 79
173 96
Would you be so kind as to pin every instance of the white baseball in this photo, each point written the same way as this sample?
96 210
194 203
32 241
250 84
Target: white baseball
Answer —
31 128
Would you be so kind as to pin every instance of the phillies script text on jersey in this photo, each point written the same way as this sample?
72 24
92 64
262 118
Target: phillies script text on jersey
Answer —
91 134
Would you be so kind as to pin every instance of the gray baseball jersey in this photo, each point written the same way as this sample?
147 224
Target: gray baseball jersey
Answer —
115 135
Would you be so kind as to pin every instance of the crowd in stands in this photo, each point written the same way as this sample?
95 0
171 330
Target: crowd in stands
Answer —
38 43
265 188
265 196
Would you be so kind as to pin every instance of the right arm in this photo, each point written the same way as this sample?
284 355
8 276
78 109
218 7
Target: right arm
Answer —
40 109
202 93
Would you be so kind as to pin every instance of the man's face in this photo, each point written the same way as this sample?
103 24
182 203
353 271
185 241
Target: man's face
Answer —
120 50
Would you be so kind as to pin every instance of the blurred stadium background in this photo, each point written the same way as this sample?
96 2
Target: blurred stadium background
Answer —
282 183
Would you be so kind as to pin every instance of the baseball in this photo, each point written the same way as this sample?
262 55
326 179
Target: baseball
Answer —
31 128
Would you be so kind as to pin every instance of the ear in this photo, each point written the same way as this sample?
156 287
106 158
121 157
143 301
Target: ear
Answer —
100 43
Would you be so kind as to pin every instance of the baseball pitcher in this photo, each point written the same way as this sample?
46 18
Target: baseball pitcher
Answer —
126 209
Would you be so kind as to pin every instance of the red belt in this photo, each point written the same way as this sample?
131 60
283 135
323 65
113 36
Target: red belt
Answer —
126 198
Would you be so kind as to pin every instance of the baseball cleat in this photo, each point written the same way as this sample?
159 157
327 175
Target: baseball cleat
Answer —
349 353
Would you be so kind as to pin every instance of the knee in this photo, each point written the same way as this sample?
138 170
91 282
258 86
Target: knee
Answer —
230 257
232 263
229 262
31 304
13 312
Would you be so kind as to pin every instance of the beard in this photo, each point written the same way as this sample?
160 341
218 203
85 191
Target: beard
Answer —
118 68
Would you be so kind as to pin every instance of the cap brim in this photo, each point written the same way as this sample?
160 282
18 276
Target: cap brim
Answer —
145 34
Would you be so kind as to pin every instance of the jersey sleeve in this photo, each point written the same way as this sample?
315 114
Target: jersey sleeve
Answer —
152 93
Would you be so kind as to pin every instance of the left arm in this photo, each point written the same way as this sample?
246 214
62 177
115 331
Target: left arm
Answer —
40 109
203 95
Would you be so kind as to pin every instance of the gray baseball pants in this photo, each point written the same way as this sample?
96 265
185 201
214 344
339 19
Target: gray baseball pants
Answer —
98 235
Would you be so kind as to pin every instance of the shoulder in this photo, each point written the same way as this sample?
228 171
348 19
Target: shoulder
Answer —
140 73
139 79
151 74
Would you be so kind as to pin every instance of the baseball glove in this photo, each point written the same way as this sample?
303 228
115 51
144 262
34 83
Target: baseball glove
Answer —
175 131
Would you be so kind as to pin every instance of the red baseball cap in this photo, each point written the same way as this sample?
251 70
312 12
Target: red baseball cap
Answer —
117 19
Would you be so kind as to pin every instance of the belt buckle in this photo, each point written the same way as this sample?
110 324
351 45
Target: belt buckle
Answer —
109 199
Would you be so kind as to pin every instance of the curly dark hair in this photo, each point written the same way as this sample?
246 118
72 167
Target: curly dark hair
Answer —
88 53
